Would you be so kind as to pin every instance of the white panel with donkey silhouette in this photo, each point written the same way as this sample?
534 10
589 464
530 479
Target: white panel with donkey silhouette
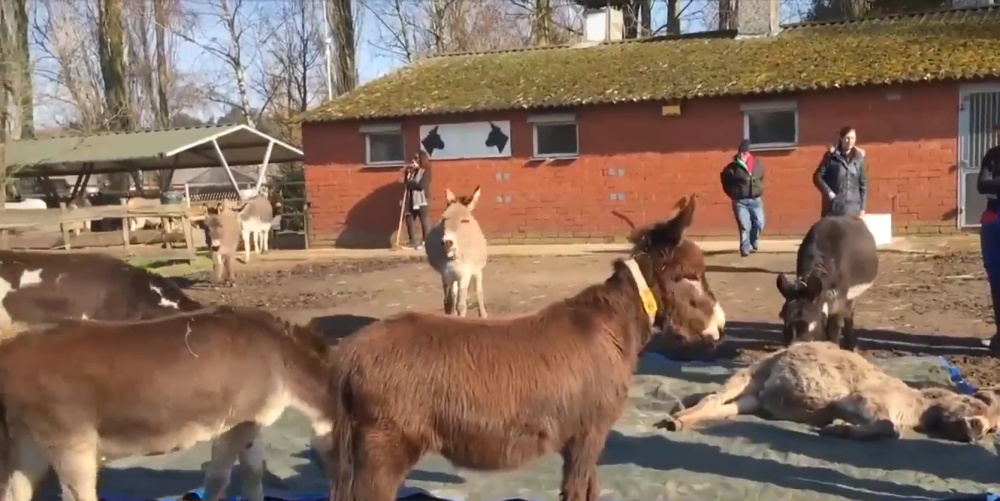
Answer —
466 140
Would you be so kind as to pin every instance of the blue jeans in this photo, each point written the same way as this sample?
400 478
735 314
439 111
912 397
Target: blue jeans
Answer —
749 214
989 243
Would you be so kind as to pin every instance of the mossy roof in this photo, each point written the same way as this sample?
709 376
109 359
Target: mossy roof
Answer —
942 45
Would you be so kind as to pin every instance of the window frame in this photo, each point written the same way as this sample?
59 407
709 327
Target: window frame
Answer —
382 129
553 119
773 107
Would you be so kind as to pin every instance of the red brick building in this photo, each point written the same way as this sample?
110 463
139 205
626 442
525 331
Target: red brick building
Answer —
625 128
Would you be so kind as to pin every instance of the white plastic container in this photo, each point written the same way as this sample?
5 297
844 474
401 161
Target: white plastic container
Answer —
881 227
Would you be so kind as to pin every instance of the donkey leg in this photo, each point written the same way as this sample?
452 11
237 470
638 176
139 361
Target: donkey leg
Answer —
252 464
245 234
479 294
77 470
850 340
384 457
225 450
463 293
861 418
580 455
28 469
713 406
448 286
833 328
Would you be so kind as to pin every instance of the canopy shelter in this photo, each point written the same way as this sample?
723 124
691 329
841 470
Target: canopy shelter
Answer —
134 152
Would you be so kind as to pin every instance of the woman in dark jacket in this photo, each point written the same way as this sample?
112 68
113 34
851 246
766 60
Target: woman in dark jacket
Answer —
417 178
842 177
988 184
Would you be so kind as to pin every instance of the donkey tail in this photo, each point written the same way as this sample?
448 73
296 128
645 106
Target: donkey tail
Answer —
342 441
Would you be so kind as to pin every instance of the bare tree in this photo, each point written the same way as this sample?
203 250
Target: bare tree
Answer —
111 51
340 17
162 63
246 31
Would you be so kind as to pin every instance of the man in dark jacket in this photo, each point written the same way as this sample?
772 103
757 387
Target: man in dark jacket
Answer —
743 183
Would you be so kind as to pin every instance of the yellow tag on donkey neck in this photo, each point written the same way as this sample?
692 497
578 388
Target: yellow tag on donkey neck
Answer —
648 301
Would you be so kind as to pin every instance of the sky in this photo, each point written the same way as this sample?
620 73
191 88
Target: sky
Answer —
372 62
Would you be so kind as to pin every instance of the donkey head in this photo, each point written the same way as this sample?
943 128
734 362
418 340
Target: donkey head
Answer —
496 138
806 307
673 267
958 417
461 230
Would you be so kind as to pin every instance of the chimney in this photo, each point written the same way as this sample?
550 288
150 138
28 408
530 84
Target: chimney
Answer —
756 18
603 24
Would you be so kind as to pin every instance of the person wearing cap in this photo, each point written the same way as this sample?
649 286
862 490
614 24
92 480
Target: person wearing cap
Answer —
988 184
842 177
743 182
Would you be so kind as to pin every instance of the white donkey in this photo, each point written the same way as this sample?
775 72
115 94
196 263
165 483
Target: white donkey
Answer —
256 217
456 249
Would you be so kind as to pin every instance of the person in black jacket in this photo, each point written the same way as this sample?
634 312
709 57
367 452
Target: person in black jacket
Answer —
988 184
417 177
842 177
743 182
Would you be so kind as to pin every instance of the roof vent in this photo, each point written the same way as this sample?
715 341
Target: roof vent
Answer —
604 24
756 18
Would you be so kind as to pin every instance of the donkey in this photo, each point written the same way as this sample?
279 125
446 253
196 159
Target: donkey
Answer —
837 261
223 226
256 218
818 384
492 394
110 393
456 249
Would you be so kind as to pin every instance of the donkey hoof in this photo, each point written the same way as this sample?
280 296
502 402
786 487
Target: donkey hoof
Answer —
669 424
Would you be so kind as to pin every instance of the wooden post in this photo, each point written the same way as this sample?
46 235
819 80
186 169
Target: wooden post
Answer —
126 236
62 225
189 236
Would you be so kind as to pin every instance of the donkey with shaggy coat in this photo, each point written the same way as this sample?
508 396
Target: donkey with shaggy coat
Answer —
837 262
819 384
494 394
118 389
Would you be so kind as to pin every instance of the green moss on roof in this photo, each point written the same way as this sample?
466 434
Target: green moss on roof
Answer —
957 44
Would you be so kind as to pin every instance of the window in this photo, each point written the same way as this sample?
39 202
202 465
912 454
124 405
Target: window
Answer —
383 144
771 124
555 136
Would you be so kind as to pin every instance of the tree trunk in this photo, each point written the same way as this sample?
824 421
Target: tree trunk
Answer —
345 58
111 51
24 92
673 17
727 14
543 22
162 73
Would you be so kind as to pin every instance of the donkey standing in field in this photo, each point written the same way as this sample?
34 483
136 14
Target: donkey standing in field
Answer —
495 394
844 394
837 261
256 218
120 389
456 249
223 226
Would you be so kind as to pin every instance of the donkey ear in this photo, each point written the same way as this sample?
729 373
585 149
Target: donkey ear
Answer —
786 286
672 231
475 198
449 197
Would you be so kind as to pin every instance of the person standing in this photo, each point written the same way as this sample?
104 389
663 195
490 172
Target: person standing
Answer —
743 182
988 184
417 178
842 177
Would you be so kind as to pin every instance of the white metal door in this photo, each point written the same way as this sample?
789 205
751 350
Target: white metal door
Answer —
978 118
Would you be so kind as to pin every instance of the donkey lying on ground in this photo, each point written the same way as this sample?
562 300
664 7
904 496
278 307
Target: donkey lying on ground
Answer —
41 288
456 249
492 394
819 384
837 261
118 389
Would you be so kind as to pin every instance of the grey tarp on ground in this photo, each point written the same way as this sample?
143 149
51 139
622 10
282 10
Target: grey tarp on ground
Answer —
746 458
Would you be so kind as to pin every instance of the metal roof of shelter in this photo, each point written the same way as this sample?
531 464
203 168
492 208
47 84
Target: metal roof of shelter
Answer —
180 148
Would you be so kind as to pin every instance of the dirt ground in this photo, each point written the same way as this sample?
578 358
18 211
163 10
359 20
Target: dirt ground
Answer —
926 304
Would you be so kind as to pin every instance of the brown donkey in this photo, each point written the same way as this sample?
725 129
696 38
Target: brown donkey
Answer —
494 394
86 391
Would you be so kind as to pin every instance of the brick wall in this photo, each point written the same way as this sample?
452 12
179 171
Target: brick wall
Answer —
909 133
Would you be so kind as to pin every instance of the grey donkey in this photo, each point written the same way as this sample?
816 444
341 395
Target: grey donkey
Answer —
456 249
223 225
256 216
